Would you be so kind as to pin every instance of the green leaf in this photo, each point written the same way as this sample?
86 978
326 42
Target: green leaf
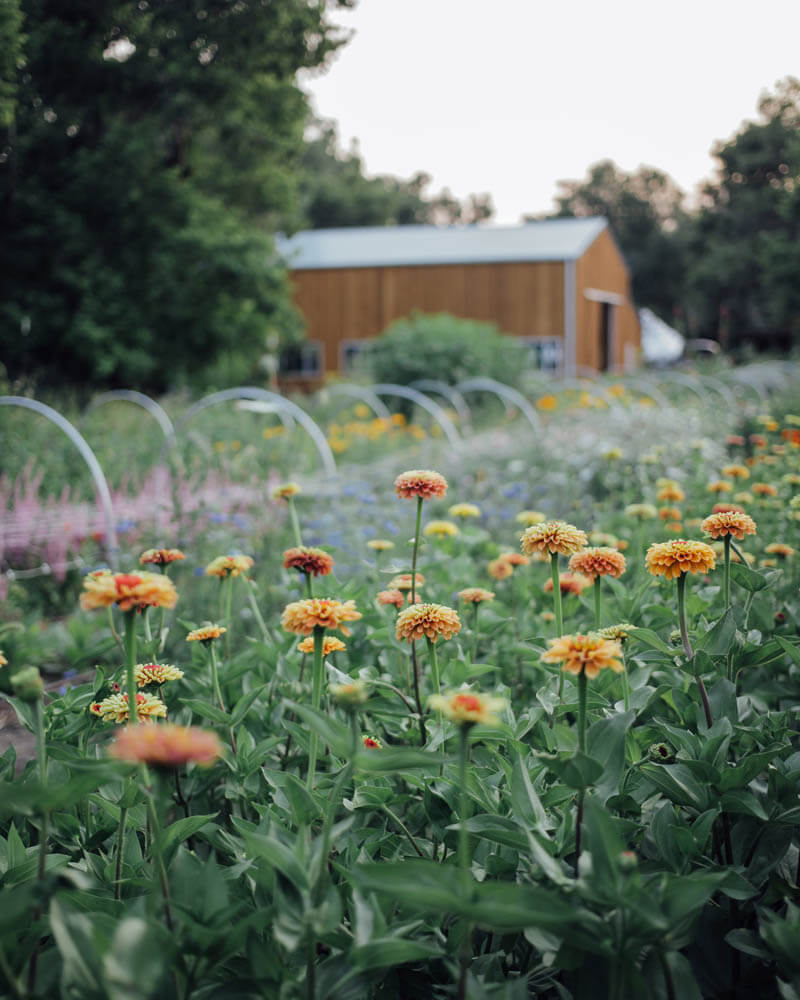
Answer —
497 829
333 733
525 801
136 966
278 856
183 828
790 648
575 770
678 783
305 809
244 704
207 711
385 952
718 639
649 638
399 759
605 743
740 800
748 578
423 884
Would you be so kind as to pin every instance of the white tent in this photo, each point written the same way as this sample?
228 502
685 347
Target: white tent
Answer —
661 345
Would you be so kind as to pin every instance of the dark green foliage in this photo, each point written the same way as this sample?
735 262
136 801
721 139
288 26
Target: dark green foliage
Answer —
444 347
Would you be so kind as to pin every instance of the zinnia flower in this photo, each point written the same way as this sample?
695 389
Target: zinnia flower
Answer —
430 620
641 511
529 517
764 490
131 591
734 523
114 708
721 508
313 562
349 695
736 472
166 746
380 544
670 492
598 561
393 596
568 583
224 566
422 483
603 538
620 631
780 549
475 595
441 529
302 617
584 653
515 558
464 510
372 743
553 537
3 660
330 644
720 486
677 556
670 513
206 633
403 581
500 569
155 673
285 490
161 557
467 708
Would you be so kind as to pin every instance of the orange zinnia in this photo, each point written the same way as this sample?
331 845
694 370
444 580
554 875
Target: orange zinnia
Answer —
421 483
330 644
677 556
131 591
588 654
311 561
430 620
735 523
160 557
224 566
166 746
302 617
476 595
553 537
599 560
467 708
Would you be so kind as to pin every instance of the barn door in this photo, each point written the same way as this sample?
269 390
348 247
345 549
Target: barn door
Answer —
605 337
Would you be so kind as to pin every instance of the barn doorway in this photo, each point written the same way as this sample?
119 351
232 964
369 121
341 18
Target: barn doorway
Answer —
605 346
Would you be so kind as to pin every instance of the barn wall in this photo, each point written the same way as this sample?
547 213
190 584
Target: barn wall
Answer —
603 268
353 303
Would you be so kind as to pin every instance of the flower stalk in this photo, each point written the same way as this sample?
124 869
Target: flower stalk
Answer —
687 646
130 664
316 701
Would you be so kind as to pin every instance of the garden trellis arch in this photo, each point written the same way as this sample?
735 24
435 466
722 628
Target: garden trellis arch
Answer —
280 402
365 394
436 411
111 547
506 393
155 409
453 396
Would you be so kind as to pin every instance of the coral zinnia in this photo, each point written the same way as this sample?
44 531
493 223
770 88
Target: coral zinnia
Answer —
569 583
677 556
500 568
166 746
155 673
224 566
721 508
553 537
515 558
735 523
313 562
764 490
115 708
160 557
598 561
302 617
422 483
466 708
441 529
206 633
330 644
476 595
587 654
131 591
780 549
393 596
430 620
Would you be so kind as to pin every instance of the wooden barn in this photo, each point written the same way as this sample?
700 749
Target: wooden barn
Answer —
561 284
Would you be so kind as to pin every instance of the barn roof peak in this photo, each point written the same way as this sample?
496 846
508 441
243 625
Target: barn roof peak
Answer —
410 246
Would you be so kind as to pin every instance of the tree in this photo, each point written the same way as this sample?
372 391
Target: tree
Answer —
144 169
336 192
645 211
745 241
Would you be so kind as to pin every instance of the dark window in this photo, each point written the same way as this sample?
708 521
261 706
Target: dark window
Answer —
304 358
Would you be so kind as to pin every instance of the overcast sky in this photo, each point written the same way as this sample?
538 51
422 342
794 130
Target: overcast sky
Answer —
509 96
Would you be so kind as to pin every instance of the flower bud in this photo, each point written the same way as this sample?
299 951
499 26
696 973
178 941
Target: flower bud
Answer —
27 684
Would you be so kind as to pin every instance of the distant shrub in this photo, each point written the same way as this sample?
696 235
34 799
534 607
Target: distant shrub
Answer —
444 347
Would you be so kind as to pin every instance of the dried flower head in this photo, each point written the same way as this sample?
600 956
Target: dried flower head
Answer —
529 517
131 591
468 708
302 617
166 747
155 673
284 491
206 633
734 523
587 654
330 644
464 510
441 529
568 583
224 566
380 544
641 511
500 569
596 561
313 562
475 595
114 708
553 537
433 621
677 556
421 483
161 557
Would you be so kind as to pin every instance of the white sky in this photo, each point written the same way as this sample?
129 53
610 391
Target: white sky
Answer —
509 96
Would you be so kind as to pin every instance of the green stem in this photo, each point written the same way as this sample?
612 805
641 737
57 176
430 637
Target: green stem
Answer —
597 581
626 688
123 819
434 664
726 579
298 538
417 696
416 549
13 983
396 819
316 701
130 664
583 685
215 676
155 845
228 622
257 613
558 612
687 646
475 632
463 805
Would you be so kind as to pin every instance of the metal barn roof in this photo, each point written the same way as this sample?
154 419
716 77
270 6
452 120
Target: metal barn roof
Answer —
409 246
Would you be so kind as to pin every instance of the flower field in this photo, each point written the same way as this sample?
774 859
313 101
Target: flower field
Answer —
516 721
